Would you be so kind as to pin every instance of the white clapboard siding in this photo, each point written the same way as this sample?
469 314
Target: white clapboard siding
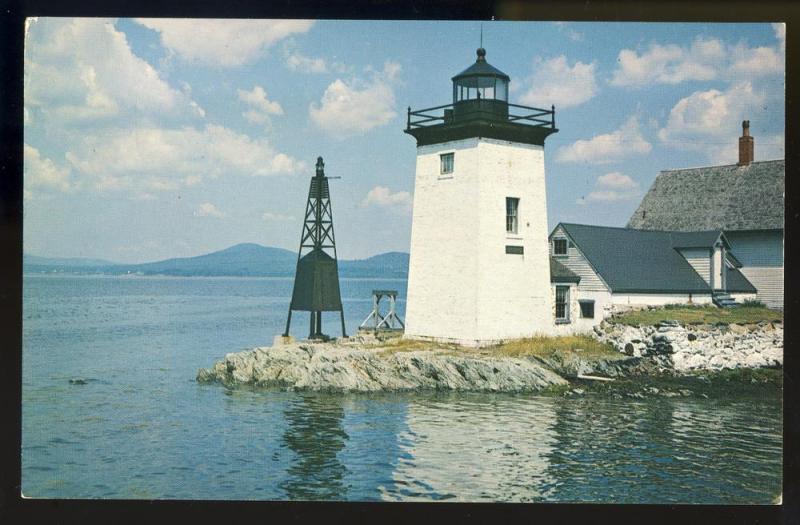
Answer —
700 260
761 255
575 261
768 282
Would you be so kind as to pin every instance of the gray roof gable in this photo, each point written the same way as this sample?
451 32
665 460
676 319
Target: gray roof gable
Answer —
715 198
637 261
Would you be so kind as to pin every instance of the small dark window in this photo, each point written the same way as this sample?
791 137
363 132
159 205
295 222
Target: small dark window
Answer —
559 246
587 309
562 304
518 250
447 162
512 205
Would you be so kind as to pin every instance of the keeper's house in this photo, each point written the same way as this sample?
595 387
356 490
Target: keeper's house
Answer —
744 200
597 269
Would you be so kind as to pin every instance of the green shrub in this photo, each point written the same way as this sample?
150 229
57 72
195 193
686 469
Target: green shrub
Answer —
753 303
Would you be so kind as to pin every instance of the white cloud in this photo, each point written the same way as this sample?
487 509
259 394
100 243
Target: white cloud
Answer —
780 34
705 59
768 147
625 142
297 62
276 217
573 35
208 210
225 43
756 62
123 158
192 180
709 121
555 82
383 197
612 187
617 180
143 196
83 69
350 108
41 172
260 106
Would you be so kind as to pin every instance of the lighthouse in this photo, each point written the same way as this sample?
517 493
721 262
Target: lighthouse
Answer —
479 268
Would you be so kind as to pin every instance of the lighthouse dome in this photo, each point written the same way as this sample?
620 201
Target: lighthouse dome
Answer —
480 80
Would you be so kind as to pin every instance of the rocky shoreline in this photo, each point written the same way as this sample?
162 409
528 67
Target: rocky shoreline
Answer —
699 347
350 367
646 355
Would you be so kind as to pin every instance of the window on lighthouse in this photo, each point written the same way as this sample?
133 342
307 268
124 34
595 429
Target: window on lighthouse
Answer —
512 205
446 162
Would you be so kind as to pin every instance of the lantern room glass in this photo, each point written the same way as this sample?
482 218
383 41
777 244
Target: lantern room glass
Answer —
485 87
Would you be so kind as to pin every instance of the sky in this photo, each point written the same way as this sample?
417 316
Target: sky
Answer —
147 139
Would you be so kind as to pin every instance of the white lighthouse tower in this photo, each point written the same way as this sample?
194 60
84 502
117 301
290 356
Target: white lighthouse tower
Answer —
479 266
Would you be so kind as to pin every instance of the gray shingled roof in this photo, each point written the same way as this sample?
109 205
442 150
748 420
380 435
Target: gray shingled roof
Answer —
715 198
640 261
737 282
694 239
561 274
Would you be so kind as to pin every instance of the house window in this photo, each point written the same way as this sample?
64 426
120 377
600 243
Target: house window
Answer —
447 162
559 246
587 309
512 205
562 304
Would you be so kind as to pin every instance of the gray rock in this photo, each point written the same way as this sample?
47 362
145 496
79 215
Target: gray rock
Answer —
328 366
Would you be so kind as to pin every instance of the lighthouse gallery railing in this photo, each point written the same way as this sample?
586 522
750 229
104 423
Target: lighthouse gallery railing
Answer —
537 117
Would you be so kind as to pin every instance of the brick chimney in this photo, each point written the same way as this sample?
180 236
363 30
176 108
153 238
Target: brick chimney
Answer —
745 145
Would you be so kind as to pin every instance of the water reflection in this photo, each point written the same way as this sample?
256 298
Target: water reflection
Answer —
374 424
475 447
606 448
661 450
314 432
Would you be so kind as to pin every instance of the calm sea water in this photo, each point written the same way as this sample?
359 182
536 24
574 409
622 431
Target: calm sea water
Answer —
141 427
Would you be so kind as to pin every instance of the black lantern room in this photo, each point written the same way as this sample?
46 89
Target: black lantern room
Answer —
480 108
481 80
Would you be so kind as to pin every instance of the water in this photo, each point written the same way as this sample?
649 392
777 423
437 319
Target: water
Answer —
141 427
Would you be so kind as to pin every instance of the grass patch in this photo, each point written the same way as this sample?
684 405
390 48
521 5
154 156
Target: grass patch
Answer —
398 344
583 345
685 314
545 347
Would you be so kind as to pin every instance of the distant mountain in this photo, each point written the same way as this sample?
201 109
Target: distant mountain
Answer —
241 260
65 262
391 264
247 259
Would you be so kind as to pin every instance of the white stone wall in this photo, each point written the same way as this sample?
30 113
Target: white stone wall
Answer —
639 299
603 307
742 297
462 286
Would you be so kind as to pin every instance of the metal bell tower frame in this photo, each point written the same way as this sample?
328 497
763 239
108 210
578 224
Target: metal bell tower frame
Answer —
316 282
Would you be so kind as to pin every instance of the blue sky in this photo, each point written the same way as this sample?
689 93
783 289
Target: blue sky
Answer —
147 139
